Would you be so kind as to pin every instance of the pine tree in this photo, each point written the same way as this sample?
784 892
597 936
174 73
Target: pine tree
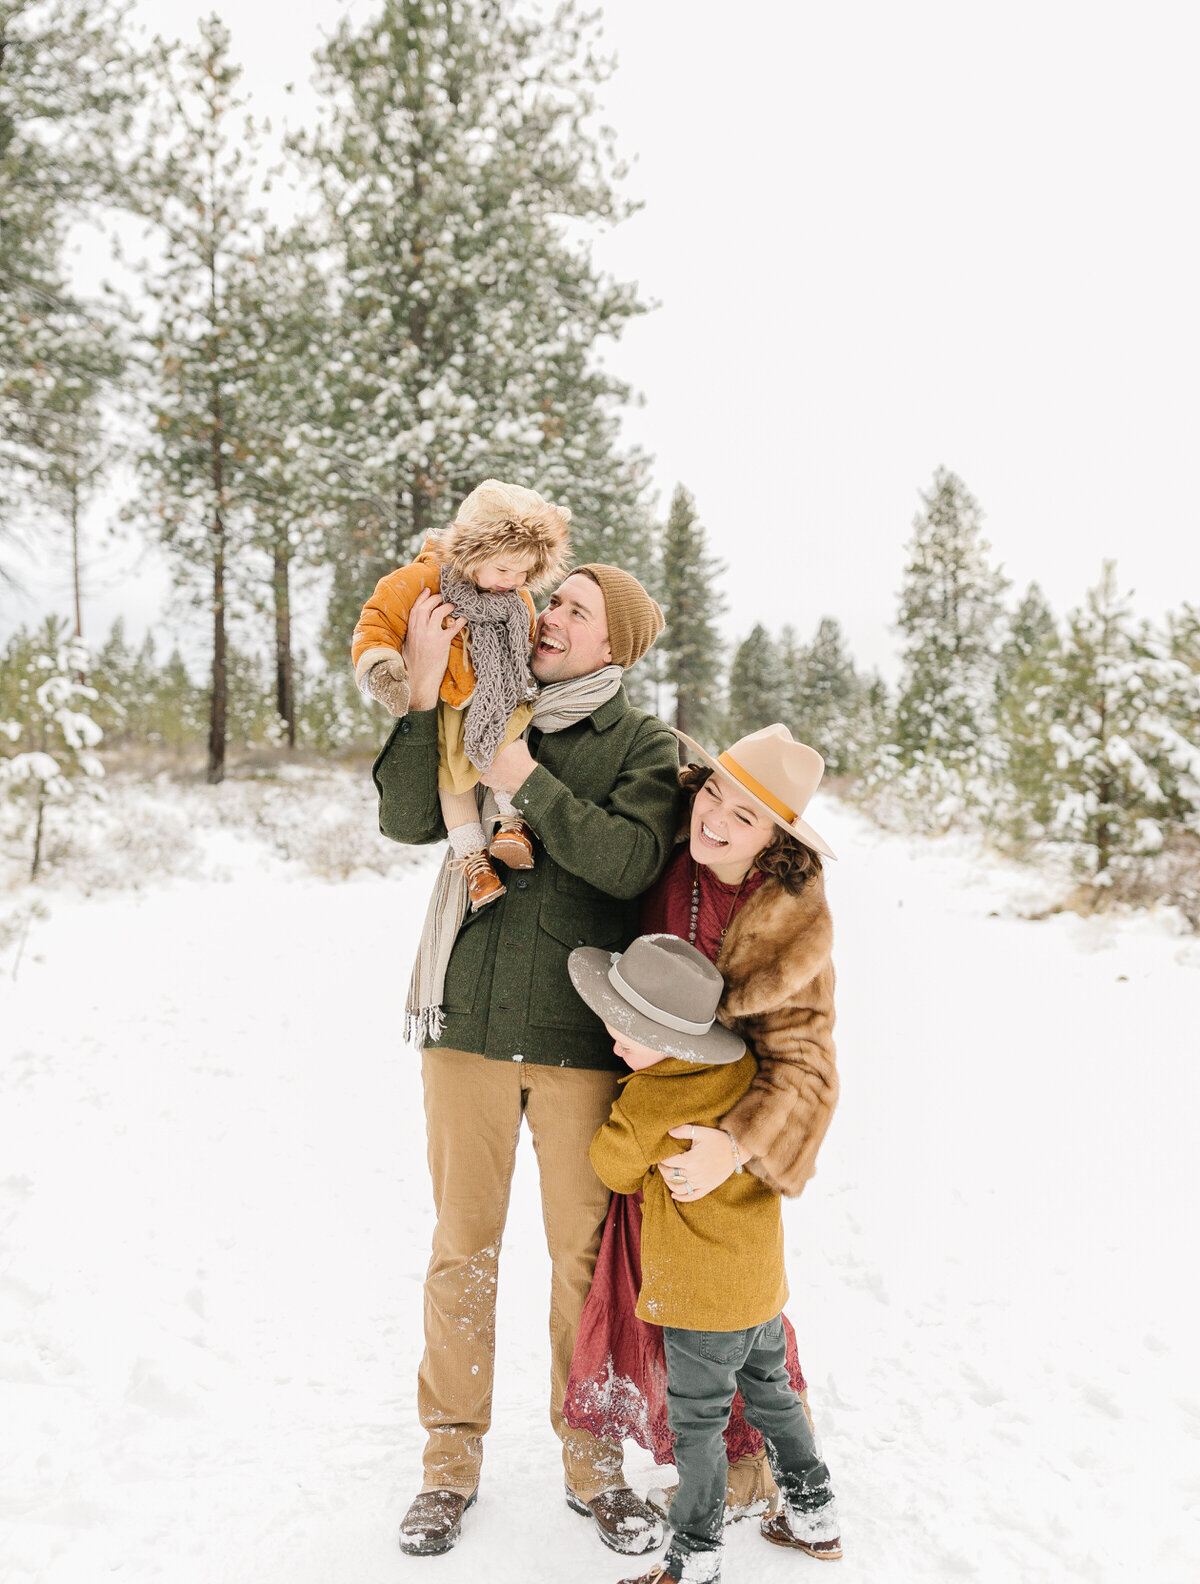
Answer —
1183 635
827 699
179 708
1102 761
793 657
201 465
66 85
283 309
456 140
950 618
1030 630
692 604
757 686
50 731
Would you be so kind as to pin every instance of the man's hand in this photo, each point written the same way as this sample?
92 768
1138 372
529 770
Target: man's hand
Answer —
511 768
427 647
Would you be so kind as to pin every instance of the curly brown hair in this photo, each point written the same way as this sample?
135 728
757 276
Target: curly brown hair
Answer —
784 858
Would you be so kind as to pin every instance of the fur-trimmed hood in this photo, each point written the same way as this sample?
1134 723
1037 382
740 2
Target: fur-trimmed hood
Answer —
498 521
779 984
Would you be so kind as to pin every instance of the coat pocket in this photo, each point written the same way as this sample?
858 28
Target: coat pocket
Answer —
465 972
554 1001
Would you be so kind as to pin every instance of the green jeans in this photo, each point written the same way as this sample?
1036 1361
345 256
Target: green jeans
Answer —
704 1371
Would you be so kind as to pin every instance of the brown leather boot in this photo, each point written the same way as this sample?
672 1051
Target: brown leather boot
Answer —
433 1522
513 844
657 1575
622 1519
779 1532
483 882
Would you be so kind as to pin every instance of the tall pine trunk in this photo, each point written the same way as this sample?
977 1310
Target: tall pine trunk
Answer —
420 514
37 834
682 723
216 729
75 580
285 696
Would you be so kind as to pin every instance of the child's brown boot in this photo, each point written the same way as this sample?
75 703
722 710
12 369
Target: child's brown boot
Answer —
513 844
483 882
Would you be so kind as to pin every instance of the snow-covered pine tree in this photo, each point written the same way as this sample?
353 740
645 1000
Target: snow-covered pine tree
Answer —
793 658
1105 762
827 700
124 679
49 730
179 708
692 603
950 617
66 84
200 464
458 158
1183 635
757 684
1031 628
282 308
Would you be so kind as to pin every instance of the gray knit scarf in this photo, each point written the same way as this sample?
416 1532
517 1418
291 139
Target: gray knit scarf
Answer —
498 640
556 707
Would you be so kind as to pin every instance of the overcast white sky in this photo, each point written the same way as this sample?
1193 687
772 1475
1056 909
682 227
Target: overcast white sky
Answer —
886 237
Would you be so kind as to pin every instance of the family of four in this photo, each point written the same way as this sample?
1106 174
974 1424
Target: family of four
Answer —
634 959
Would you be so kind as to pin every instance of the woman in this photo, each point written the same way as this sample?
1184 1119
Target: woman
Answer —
745 885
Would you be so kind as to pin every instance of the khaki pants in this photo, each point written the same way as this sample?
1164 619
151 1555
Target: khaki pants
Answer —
473 1111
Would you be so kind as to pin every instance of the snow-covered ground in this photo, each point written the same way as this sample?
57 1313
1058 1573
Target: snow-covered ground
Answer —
214 1224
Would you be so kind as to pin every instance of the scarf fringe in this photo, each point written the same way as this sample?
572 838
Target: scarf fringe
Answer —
422 1024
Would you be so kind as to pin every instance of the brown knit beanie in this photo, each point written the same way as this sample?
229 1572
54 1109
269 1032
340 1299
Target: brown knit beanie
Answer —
634 619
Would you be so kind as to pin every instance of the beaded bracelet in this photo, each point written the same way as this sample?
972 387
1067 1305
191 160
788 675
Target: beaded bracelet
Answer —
737 1159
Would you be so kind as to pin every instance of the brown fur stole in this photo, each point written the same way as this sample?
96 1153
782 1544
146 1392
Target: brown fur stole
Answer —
779 984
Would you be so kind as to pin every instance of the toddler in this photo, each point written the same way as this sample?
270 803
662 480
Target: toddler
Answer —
712 1271
504 542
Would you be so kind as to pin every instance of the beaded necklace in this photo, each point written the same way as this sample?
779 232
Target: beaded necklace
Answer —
696 903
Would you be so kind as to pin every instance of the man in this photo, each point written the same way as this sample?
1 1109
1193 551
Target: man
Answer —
600 794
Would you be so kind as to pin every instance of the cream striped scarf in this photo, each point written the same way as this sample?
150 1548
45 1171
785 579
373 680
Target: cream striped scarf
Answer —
557 706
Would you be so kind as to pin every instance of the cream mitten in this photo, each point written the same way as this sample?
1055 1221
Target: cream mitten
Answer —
387 681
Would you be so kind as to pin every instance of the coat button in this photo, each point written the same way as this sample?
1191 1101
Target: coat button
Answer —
580 942
405 727
522 884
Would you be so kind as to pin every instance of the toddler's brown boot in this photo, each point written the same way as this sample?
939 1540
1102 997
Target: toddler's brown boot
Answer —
483 883
513 844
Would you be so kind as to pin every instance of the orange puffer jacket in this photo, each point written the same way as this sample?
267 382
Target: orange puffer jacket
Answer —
384 622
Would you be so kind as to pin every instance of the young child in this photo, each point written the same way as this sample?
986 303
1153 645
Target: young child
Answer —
504 542
712 1271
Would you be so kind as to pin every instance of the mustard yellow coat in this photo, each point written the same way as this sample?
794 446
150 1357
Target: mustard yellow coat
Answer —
380 634
384 622
716 1265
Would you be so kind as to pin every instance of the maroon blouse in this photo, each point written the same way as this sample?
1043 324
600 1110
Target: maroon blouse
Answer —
667 906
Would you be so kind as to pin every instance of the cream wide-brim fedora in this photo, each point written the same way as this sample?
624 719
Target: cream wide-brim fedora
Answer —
777 773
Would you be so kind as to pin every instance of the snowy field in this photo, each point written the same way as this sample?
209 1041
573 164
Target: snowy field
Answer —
214 1223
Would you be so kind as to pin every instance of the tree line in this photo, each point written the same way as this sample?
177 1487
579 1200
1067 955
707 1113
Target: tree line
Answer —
307 401
311 399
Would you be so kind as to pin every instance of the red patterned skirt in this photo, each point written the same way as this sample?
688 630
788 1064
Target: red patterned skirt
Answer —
618 1383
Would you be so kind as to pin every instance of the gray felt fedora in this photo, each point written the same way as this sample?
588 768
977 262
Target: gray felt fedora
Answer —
661 992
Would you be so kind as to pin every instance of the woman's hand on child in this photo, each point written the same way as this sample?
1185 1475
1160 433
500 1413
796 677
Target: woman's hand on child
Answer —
427 647
705 1166
511 768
